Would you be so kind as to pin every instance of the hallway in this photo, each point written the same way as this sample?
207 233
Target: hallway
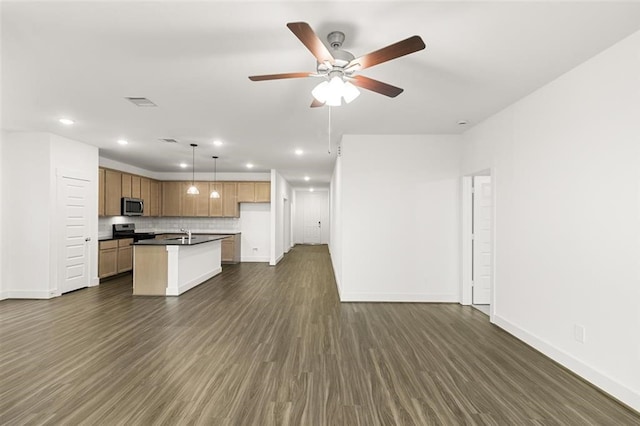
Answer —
273 345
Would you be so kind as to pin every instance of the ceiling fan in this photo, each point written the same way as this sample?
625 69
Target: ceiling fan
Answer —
339 68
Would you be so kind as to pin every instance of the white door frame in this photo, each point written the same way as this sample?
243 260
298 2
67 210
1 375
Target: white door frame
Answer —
467 248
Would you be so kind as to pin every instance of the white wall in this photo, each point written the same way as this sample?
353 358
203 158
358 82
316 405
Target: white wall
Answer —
301 196
399 209
184 175
280 189
30 245
3 136
567 178
255 222
335 213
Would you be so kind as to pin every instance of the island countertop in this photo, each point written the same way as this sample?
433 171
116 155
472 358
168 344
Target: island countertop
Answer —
183 241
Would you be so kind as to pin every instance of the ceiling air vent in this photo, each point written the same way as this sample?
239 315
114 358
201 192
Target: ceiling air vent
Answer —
141 102
169 140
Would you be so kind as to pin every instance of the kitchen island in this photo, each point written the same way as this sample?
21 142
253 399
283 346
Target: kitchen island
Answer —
171 266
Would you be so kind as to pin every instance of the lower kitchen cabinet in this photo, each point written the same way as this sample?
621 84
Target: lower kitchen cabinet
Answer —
114 257
231 249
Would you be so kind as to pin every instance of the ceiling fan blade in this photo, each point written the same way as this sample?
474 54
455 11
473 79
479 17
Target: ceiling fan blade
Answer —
280 76
303 31
393 51
376 86
316 103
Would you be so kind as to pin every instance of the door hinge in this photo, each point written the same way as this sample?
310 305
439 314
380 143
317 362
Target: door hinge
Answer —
473 237
473 190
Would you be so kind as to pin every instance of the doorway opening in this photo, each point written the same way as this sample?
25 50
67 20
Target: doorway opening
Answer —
478 246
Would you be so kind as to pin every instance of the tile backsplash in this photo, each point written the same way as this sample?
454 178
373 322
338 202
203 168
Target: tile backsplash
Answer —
170 224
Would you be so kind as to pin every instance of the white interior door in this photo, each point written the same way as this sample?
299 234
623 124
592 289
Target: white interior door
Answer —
312 220
72 208
482 207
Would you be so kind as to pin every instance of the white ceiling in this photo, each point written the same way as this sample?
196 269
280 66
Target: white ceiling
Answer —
80 59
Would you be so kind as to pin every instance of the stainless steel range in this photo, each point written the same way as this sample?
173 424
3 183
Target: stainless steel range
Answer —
128 230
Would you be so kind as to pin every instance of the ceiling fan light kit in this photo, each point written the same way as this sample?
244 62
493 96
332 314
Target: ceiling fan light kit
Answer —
339 67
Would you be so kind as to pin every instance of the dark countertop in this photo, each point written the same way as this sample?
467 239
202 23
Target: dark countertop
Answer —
172 233
195 239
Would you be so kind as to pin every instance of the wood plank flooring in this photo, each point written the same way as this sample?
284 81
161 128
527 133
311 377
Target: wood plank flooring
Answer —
260 345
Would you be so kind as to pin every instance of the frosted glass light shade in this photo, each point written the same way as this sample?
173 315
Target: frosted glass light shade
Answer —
193 190
331 92
214 194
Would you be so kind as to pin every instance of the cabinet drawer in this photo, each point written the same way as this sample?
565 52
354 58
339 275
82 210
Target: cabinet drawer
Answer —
109 244
125 242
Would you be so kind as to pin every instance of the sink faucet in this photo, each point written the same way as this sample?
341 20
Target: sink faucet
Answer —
186 231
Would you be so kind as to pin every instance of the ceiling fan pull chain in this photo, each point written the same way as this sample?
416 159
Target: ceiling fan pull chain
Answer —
329 147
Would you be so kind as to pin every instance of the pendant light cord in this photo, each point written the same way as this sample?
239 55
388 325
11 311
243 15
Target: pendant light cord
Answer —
193 165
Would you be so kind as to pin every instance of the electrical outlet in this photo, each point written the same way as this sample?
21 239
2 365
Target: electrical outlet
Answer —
579 333
255 249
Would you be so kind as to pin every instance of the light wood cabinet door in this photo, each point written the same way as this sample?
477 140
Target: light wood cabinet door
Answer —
100 192
154 196
228 250
107 258
215 204
113 192
135 187
230 200
126 184
145 194
125 255
198 204
171 192
263 192
246 192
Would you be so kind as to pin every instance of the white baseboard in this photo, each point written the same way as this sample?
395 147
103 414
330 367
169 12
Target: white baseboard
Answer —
277 260
94 282
398 297
22 294
194 282
4 295
623 393
255 259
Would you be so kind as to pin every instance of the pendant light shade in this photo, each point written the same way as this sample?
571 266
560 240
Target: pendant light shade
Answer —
214 193
193 190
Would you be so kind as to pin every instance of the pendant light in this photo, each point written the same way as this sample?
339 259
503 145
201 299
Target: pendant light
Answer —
214 193
193 190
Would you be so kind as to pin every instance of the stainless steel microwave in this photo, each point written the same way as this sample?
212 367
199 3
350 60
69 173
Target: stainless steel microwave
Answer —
132 206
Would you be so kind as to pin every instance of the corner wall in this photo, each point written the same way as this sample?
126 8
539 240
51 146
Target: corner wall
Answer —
280 190
399 212
567 181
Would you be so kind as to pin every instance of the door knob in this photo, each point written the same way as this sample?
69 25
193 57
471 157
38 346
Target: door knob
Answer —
88 239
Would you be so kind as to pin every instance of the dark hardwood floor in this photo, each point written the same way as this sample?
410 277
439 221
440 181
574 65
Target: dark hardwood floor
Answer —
272 345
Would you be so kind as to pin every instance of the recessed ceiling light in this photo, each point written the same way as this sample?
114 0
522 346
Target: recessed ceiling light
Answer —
310 189
299 152
217 142
249 166
462 122
183 165
123 141
66 121
307 178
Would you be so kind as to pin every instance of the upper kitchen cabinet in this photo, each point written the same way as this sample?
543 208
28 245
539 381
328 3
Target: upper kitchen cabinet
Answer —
171 193
145 194
254 192
153 205
246 192
100 192
112 192
126 185
263 192
135 187
196 204
230 199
